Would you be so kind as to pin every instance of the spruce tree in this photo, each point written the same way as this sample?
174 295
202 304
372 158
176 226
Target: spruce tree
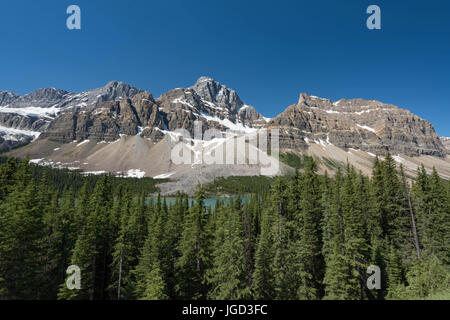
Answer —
93 248
263 277
437 231
60 240
195 252
22 251
228 274
309 245
149 276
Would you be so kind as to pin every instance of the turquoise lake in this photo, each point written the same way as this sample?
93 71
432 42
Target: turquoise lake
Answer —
209 202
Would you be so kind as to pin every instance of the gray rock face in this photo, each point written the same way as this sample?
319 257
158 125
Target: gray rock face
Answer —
446 142
361 124
7 97
107 121
55 98
41 98
8 142
250 117
211 103
212 91
13 120
36 110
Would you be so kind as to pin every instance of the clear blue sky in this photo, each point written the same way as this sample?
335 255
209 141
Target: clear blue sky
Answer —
269 51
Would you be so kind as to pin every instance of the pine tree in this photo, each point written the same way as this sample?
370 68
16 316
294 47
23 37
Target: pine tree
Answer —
92 252
83 256
263 277
286 235
395 272
195 253
173 231
311 264
60 240
228 274
376 220
396 224
355 199
150 280
437 231
155 286
424 278
21 241
82 209
123 261
249 238
7 177
339 279
346 265
332 223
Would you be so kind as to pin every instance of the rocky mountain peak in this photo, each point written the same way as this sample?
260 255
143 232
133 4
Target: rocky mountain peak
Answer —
204 79
46 92
214 92
117 89
113 83
210 102
249 113
7 97
41 98
302 98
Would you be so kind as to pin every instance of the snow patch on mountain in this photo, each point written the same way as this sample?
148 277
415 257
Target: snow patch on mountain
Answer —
135 173
367 128
12 131
32 111
398 159
164 175
83 142
237 127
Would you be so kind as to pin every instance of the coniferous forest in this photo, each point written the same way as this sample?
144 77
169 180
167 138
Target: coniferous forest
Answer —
309 236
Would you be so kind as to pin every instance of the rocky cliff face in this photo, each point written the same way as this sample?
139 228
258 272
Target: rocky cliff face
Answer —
211 103
208 102
34 112
371 126
108 121
59 99
446 142
7 97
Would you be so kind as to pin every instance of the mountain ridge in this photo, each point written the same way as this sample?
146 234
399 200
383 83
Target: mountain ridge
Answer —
89 124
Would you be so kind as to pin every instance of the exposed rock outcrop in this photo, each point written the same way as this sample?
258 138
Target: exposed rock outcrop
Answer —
368 125
35 111
107 121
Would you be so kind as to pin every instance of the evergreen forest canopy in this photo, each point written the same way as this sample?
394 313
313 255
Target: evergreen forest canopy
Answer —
306 237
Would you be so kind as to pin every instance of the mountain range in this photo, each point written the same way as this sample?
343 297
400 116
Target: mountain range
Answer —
125 130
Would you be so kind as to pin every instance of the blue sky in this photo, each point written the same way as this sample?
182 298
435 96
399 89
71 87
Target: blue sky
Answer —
269 51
